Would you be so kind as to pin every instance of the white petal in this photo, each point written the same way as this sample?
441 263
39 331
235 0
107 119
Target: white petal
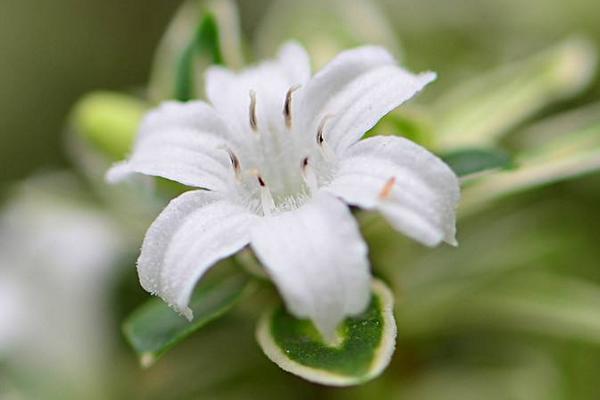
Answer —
357 88
295 61
229 92
421 203
196 230
369 98
339 73
317 259
182 142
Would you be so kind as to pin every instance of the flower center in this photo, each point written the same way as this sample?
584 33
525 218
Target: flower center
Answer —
280 168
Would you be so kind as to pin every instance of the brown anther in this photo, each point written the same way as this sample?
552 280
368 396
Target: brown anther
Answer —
235 162
261 181
304 163
320 137
252 111
386 191
287 107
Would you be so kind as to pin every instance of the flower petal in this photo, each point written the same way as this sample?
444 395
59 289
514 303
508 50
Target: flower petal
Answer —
415 190
317 259
229 91
196 230
355 90
183 142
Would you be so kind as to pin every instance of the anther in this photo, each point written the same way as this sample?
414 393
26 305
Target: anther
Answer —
308 174
261 181
320 130
386 191
266 198
287 107
252 111
235 163
321 139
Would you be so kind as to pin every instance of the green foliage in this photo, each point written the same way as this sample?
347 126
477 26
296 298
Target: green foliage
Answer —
411 124
361 351
476 161
204 43
154 328
557 151
480 111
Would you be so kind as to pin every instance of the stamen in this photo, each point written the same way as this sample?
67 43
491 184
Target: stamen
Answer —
386 191
252 111
321 139
287 107
235 163
266 198
261 181
309 176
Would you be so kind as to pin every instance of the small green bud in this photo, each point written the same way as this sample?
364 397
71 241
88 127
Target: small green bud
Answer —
108 122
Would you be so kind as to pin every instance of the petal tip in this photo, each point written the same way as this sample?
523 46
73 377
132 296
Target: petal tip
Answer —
452 241
428 76
187 313
117 173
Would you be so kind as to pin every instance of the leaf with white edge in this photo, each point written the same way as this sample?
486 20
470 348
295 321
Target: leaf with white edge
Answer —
565 156
471 162
363 348
480 111
154 328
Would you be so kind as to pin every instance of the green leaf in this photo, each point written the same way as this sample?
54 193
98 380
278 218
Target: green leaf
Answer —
154 328
474 161
412 124
176 40
542 303
204 43
363 349
480 111
561 156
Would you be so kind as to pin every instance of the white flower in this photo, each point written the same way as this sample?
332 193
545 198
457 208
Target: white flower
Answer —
280 156
57 263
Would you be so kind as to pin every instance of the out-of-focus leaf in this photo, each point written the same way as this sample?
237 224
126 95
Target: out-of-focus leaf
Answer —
325 27
476 161
562 157
480 111
205 43
529 375
436 284
410 123
154 328
539 302
362 350
176 41
108 121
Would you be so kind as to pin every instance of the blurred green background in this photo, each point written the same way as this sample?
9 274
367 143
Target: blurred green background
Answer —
51 53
